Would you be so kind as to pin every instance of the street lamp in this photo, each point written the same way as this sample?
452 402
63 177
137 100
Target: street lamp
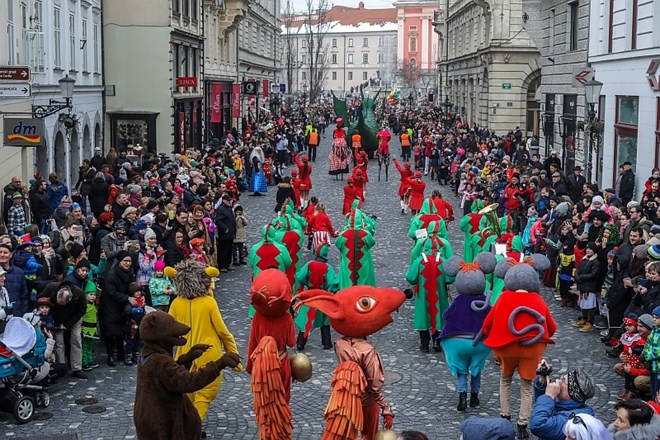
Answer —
54 106
592 95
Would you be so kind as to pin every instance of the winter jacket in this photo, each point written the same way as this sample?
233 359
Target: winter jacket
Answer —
173 254
55 192
550 415
40 206
587 275
114 299
226 222
70 313
627 186
241 234
638 432
476 428
284 191
17 289
651 351
98 196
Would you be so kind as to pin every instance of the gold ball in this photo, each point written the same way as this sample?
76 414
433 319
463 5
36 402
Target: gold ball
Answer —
301 367
386 434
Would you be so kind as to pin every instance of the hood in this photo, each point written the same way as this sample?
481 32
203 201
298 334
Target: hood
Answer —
428 207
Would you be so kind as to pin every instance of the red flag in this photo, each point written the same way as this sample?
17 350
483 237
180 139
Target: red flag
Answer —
216 91
236 101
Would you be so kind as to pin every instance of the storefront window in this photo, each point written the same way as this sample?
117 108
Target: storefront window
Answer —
625 131
628 110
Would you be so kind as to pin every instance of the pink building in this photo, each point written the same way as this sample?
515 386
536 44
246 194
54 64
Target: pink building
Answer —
417 48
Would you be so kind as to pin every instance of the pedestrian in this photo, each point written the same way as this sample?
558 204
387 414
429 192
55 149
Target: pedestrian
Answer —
225 221
240 241
160 287
16 220
587 278
651 353
89 328
134 313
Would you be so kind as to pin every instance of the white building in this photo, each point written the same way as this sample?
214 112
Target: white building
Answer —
624 51
57 38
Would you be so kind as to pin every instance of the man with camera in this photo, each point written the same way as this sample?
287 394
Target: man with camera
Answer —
557 399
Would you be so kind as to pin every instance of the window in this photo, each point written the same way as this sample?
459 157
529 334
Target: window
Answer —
350 58
83 42
350 42
186 9
551 37
24 16
334 76
11 54
412 28
413 64
95 31
573 31
303 44
381 41
412 44
625 131
334 42
350 76
365 76
175 6
57 31
304 76
611 27
365 42
72 42
334 58
365 58
381 58
635 12
194 10
303 58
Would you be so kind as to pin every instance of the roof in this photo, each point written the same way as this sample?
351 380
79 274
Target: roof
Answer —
347 16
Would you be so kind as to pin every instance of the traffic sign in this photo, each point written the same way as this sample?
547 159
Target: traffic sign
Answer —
15 90
14 73
582 75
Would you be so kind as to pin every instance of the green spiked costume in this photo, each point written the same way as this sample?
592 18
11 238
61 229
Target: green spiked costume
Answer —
427 214
356 266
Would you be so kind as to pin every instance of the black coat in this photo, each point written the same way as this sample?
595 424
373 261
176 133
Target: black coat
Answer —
98 196
575 184
174 253
70 313
226 222
587 275
39 205
113 300
627 186
284 191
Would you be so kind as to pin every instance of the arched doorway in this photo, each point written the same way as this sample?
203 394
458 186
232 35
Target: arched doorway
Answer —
533 112
98 140
60 155
86 150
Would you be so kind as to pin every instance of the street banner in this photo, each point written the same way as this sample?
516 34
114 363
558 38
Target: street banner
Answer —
235 100
23 132
266 88
182 132
216 105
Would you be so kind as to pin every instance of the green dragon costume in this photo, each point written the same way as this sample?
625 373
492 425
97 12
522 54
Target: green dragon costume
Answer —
356 266
366 124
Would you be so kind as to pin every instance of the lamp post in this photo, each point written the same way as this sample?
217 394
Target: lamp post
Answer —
54 106
592 95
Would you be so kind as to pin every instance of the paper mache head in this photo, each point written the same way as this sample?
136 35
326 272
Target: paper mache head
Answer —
271 293
192 279
470 278
522 275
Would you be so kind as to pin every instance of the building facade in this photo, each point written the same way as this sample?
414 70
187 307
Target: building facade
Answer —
490 66
359 46
258 43
56 38
624 51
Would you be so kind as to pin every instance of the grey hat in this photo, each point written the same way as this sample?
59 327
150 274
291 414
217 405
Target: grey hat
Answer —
581 386
646 320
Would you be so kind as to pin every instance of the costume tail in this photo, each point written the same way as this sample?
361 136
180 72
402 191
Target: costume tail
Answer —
270 404
343 414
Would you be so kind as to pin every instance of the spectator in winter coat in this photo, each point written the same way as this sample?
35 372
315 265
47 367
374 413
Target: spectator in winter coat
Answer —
627 184
9 191
56 191
40 205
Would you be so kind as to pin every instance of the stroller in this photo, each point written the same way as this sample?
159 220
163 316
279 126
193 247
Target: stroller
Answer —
22 349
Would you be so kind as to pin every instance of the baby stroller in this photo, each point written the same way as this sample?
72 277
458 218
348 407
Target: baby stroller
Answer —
22 349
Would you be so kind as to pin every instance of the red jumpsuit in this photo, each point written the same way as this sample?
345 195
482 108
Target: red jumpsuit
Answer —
443 208
350 194
359 183
406 173
305 173
416 194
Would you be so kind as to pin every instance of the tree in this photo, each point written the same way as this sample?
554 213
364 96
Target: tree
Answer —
316 27
408 74
290 46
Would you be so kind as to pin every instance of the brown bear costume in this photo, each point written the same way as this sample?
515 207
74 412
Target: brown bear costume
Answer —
162 409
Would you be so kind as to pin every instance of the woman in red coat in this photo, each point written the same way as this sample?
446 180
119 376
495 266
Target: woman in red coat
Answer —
350 194
404 194
305 172
417 186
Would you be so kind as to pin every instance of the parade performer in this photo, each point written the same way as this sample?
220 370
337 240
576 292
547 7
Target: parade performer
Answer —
359 183
427 214
465 353
518 328
258 183
320 227
356 144
416 189
350 196
317 274
293 239
514 249
356 266
271 332
431 243
404 184
305 172
357 383
269 252
431 299
340 154
443 207
384 138
295 184
196 307
471 224
312 142
405 140
361 169
162 410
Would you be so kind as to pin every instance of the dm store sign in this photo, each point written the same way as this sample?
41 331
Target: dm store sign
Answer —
23 132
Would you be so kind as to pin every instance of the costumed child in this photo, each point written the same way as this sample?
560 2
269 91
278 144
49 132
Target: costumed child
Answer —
271 332
321 228
629 346
317 274
566 271
465 352
160 287
134 315
196 307
305 170
356 313
431 298
406 173
89 327
197 251
518 328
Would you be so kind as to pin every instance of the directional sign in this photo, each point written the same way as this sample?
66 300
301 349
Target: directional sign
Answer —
14 73
15 90
582 75
651 74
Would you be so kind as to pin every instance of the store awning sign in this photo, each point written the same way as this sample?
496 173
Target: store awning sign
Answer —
23 132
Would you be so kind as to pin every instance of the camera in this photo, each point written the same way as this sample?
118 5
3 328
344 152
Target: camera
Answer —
545 370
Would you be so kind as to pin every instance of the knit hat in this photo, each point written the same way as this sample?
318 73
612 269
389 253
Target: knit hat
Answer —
654 252
84 263
134 189
646 320
90 287
134 287
149 233
196 242
76 250
655 229
656 311
140 225
580 386
640 252
516 176
128 210
151 204
591 245
159 265
123 254
17 195
322 251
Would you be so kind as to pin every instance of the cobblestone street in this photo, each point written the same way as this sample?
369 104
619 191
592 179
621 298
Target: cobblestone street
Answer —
419 386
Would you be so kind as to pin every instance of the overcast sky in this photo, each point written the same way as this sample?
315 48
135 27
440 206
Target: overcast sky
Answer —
301 5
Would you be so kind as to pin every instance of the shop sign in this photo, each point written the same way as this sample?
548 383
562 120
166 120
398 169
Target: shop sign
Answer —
186 81
23 132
